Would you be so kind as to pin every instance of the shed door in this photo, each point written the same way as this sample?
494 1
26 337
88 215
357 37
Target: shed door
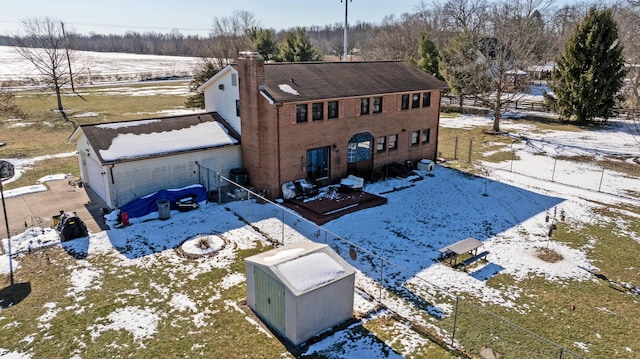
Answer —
269 300
96 178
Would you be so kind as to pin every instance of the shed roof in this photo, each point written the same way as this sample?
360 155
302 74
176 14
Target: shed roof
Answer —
124 141
303 266
308 81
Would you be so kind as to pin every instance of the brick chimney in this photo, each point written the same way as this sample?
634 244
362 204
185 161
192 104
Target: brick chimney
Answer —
250 79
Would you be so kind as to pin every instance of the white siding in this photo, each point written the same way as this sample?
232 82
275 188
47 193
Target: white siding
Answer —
91 171
223 101
139 178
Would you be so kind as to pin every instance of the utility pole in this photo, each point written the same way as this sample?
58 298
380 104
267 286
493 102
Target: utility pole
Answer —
346 29
6 172
66 49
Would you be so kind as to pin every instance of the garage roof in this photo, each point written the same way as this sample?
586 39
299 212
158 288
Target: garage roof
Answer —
124 141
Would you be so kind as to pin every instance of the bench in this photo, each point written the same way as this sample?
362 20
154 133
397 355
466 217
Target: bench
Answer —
453 251
477 257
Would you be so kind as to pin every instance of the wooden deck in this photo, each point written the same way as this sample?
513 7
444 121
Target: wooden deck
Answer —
327 208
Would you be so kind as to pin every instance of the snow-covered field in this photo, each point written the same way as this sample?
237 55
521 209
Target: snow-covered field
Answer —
507 211
103 66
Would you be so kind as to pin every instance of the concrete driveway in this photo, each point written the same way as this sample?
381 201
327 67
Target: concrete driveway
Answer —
38 209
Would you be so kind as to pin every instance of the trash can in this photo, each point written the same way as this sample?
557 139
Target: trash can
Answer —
164 210
239 176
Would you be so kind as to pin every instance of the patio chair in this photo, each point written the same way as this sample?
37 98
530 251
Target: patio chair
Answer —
304 188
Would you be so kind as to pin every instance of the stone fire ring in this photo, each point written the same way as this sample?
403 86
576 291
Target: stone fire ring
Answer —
201 245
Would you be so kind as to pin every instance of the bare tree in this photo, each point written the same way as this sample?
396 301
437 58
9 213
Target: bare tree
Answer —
518 31
435 20
466 15
627 16
506 45
43 45
396 38
560 24
229 36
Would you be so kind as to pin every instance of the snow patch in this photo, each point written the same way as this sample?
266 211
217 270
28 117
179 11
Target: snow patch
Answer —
182 302
311 271
142 323
203 135
288 89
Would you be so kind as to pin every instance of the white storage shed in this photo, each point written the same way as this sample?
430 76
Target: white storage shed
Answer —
300 290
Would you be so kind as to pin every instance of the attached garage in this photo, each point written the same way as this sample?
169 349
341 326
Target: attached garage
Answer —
122 161
300 290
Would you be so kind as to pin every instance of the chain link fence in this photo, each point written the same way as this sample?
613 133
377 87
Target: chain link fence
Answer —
560 169
451 321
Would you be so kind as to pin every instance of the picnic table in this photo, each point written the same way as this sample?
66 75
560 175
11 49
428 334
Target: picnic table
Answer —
469 245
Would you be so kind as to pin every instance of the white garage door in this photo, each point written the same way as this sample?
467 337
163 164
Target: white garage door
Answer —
96 181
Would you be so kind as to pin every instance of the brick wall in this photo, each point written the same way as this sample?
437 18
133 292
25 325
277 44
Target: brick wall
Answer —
274 146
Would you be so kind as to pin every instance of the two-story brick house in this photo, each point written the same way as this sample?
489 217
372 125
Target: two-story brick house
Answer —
324 120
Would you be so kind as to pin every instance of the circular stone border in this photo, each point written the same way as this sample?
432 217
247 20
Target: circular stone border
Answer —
186 254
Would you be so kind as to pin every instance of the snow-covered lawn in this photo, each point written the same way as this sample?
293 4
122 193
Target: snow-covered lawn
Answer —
103 66
507 212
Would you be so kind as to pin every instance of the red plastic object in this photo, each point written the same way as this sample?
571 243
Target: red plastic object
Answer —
125 218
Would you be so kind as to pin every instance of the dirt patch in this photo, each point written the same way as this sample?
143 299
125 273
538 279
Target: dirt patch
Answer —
549 255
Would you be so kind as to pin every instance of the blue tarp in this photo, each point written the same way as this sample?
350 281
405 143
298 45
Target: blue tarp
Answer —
144 205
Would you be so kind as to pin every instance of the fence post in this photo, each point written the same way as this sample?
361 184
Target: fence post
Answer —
553 174
249 206
455 149
513 155
381 283
561 352
219 188
208 183
455 322
470 148
601 178
282 226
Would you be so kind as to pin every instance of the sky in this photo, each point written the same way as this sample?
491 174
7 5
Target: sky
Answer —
192 16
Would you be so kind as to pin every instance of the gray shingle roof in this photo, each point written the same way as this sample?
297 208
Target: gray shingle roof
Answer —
101 136
328 80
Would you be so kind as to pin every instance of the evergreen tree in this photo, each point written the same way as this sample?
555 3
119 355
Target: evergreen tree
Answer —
265 42
208 71
297 47
459 65
428 61
8 106
590 71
